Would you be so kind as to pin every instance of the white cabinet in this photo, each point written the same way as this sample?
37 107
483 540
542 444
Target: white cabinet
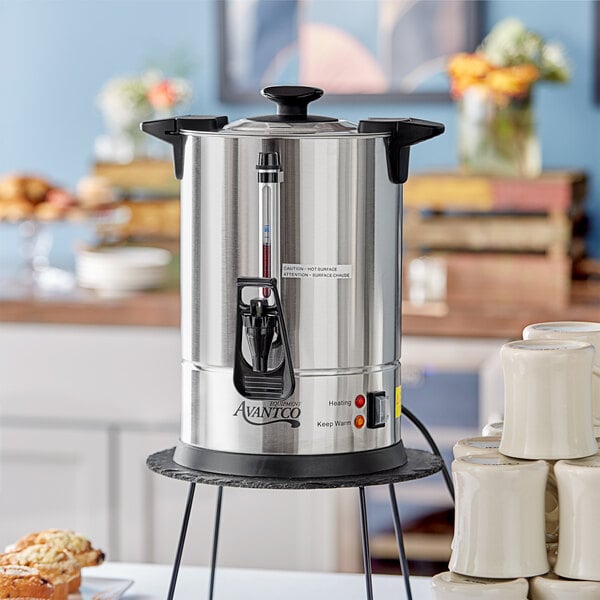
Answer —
66 392
90 373
54 477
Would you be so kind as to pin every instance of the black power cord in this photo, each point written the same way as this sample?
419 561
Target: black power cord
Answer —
434 448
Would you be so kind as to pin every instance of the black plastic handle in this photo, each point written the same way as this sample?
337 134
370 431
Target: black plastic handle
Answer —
403 134
169 130
292 100
166 130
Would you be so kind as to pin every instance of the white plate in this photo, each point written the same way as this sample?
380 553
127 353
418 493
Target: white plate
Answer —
126 277
129 256
124 286
141 278
101 588
123 271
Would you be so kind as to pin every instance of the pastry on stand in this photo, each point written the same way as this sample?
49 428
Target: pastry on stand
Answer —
33 202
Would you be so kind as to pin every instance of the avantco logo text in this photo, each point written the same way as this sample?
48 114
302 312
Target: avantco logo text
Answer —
261 414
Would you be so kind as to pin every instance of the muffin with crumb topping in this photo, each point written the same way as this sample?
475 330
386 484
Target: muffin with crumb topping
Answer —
54 564
24 582
75 543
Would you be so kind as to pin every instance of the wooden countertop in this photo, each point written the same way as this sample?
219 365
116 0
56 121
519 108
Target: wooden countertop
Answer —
161 309
150 309
498 321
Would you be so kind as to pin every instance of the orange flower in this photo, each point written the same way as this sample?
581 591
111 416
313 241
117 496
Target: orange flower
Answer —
467 70
469 65
162 95
512 81
527 74
460 84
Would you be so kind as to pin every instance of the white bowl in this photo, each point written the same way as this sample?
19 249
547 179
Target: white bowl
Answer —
122 269
130 256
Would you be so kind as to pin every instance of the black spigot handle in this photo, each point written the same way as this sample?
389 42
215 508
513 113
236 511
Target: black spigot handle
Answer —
251 382
403 134
292 100
260 326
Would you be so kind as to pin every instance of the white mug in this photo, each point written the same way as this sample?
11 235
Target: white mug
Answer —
476 446
499 518
452 586
493 429
548 399
579 522
580 331
551 587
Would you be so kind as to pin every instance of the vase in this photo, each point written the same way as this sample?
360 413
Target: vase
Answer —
497 135
123 142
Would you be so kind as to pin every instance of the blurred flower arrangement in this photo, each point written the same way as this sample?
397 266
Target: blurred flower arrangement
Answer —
493 88
126 101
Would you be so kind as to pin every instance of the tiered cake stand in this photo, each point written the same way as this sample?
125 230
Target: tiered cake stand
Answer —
420 464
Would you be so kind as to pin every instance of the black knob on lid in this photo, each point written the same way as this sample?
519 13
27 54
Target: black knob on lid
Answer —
292 100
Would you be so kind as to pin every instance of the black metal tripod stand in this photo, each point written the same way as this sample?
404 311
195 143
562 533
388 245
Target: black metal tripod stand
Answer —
420 464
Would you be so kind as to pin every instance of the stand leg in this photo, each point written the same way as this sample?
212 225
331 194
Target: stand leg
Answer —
184 526
213 561
400 540
365 542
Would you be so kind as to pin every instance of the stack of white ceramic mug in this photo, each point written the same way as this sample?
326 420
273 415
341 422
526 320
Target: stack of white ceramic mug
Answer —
528 493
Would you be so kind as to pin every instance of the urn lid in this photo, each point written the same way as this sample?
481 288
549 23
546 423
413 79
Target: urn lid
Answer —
291 117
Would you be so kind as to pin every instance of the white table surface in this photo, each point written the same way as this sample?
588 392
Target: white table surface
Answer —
152 582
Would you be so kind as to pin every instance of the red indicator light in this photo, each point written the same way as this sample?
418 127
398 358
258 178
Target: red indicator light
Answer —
359 421
360 401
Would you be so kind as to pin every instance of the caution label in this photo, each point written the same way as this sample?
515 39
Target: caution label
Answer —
291 271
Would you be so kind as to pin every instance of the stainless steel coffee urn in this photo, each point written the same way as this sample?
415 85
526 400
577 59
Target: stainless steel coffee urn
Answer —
291 288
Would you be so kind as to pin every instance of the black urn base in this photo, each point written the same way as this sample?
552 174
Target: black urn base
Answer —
305 466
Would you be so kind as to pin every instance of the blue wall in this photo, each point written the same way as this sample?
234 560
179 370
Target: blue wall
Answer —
56 54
